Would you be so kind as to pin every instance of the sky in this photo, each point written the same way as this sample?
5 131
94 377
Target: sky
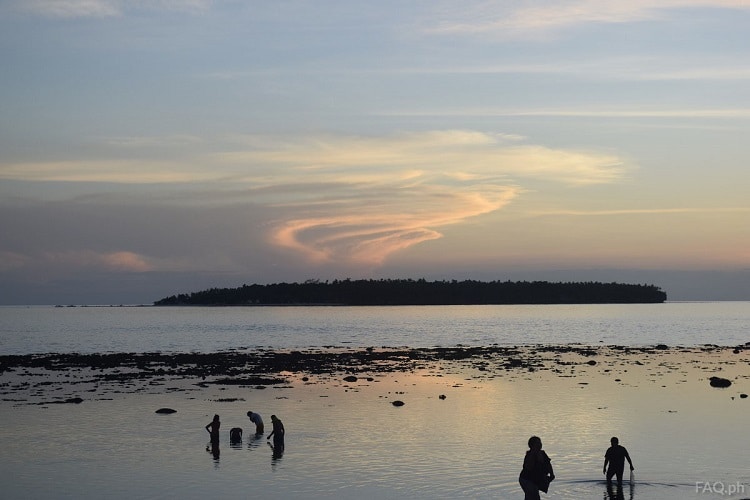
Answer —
156 147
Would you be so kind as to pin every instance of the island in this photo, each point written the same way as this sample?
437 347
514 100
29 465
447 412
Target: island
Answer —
391 292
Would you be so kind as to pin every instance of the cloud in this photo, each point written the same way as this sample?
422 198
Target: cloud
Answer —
72 8
532 18
10 261
367 236
64 261
728 113
631 68
453 154
646 211
125 261
105 8
386 194
343 199
113 171
118 261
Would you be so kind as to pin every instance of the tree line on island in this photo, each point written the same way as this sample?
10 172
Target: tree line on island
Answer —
387 292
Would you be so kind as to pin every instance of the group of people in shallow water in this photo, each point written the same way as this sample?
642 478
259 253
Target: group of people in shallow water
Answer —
536 474
235 434
537 470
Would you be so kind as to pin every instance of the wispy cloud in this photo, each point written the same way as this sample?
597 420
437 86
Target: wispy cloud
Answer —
122 261
579 112
453 153
643 211
632 68
386 194
528 19
71 8
110 171
367 234
351 199
105 8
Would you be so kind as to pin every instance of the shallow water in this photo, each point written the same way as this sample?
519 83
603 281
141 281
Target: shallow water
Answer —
346 440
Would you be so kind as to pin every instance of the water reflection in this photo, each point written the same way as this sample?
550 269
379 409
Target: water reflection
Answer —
213 448
617 493
366 462
277 452
254 441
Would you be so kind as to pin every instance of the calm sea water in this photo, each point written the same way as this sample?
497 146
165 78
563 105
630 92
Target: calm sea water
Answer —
348 441
38 329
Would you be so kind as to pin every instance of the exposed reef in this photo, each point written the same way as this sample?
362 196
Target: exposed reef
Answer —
67 378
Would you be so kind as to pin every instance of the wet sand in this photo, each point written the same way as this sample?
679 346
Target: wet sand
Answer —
77 378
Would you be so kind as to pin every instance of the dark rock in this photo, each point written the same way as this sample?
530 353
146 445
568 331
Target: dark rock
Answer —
442 396
514 363
74 400
398 403
165 411
350 378
592 362
662 347
250 381
743 395
720 382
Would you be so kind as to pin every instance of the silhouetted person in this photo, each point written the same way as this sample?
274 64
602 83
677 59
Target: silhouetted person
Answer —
537 470
278 434
255 418
213 429
615 457
235 435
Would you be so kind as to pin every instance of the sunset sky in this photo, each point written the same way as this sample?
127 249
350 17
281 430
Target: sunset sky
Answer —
154 147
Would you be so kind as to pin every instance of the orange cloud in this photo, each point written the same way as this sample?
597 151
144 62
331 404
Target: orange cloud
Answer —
122 261
126 261
366 237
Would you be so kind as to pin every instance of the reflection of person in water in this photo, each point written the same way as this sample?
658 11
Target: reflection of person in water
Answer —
615 457
213 448
616 494
213 429
278 434
255 418
537 470
276 452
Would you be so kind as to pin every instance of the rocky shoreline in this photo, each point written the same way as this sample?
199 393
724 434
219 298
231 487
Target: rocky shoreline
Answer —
69 378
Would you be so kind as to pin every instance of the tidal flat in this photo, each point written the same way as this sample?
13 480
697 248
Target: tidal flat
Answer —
77 426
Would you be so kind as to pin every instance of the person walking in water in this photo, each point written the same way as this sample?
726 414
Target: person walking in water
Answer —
615 458
277 433
213 429
255 418
537 470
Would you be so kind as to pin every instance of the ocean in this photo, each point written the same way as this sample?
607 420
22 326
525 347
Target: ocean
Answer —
41 329
461 433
